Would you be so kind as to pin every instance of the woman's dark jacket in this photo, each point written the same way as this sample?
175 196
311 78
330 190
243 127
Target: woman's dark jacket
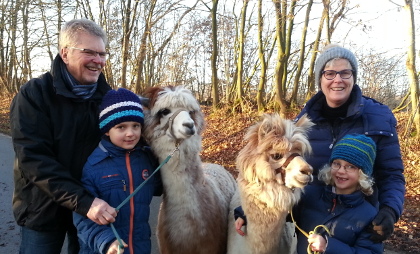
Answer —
364 116
347 217
112 174
53 133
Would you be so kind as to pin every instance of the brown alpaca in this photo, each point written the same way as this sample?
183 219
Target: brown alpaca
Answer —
193 217
270 167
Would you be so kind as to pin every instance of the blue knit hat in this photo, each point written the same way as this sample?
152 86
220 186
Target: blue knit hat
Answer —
334 51
356 149
119 106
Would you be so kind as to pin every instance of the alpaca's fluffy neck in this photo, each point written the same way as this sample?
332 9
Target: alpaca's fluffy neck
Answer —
183 173
266 208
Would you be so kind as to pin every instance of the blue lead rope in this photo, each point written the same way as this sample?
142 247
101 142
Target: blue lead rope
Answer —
121 245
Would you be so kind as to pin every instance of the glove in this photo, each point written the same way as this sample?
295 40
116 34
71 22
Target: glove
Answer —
383 224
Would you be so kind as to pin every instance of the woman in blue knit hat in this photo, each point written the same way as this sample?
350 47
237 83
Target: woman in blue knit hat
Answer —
340 108
119 164
340 206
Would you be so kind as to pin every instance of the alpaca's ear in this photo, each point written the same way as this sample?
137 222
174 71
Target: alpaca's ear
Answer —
265 127
144 101
304 122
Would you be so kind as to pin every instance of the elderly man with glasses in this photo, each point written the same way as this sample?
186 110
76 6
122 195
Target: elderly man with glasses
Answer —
54 123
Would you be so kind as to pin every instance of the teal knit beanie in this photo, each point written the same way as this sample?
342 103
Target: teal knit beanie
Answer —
331 53
356 149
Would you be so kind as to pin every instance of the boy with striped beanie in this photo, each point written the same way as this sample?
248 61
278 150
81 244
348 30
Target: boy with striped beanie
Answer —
120 164
119 106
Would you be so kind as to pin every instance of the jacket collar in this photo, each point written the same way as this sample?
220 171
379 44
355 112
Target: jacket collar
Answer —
347 200
314 106
61 87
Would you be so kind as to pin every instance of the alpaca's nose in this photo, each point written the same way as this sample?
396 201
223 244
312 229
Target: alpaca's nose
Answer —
190 128
307 170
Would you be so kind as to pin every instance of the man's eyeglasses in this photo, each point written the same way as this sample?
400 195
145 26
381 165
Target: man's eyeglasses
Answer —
347 168
344 74
92 53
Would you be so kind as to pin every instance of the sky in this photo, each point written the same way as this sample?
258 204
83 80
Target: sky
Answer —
386 23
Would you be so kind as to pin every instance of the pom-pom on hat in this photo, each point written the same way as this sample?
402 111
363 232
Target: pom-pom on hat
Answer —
331 52
356 149
119 106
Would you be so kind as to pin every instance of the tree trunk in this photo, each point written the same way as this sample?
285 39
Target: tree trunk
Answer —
298 80
263 72
214 78
411 65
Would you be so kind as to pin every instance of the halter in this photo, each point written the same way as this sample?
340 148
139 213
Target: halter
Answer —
169 124
282 169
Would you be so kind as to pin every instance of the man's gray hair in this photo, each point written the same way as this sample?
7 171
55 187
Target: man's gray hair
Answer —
70 30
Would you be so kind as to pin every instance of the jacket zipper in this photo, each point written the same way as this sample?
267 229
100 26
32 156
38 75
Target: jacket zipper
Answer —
334 203
131 187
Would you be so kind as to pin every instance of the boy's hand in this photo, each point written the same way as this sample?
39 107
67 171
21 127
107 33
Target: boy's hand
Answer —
238 225
113 248
317 242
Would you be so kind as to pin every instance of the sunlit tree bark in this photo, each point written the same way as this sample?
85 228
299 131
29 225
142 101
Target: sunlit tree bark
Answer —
301 58
261 55
214 54
411 66
241 45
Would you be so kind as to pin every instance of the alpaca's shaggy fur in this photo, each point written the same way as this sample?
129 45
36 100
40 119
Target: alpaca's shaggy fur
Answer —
267 195
193 217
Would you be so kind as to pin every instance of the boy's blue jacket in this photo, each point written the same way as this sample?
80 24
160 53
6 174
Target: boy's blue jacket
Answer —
346 216
364 116
112 173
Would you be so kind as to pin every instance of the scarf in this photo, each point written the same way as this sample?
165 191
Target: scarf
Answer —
82 91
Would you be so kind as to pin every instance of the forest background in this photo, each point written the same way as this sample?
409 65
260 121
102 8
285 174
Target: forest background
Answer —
239 57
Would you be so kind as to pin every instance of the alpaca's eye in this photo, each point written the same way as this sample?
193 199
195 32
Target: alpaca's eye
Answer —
163 112
192 112
276 156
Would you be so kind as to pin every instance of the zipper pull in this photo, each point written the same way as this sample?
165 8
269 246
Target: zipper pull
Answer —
332 144
334 203
124 185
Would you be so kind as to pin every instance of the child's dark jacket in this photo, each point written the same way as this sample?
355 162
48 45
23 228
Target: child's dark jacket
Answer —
112 173
346 216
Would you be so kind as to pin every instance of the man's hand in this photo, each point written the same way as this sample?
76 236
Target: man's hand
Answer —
383 224
101 212
113 248
238 225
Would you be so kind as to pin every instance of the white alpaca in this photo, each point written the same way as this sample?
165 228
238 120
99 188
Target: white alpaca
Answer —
270 167
193 217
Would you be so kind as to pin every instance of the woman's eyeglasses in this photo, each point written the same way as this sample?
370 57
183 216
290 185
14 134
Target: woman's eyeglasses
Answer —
344 74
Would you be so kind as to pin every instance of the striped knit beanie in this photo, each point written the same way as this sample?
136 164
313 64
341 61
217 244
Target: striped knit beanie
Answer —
119 106
330 53
356 149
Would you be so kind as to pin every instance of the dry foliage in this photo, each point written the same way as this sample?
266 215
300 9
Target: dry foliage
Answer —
223 138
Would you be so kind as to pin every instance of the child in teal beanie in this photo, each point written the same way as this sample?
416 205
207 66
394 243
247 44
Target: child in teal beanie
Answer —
340 206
